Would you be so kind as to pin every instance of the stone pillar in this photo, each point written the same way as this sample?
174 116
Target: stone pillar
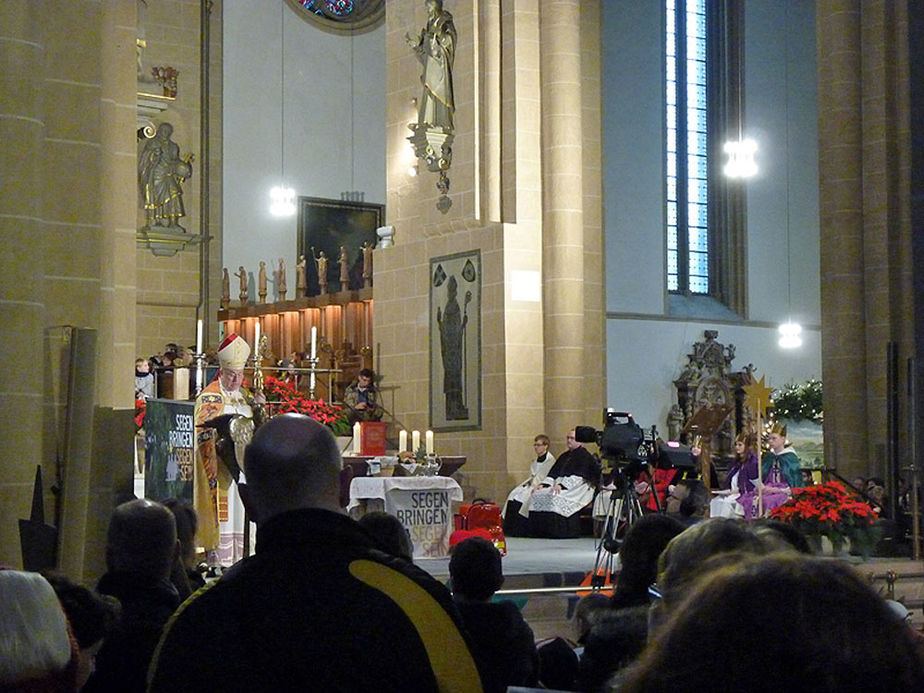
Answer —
563 215
21 414
866 294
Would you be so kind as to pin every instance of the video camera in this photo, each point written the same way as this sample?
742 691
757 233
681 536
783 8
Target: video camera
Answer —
621 440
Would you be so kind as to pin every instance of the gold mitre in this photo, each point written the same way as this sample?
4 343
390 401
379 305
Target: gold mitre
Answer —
233 352
779 428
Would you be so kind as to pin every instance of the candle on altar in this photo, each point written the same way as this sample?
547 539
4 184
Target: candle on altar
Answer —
402 440
199 336
415 441
256 339
429 439
357 438
314 341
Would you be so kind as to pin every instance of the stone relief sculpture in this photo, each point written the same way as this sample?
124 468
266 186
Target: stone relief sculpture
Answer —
160 172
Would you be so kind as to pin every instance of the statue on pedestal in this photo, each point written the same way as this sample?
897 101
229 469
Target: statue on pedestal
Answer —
242 275
344 269
301 283
320 261
225 289
261 282
281 280
160 172
367 264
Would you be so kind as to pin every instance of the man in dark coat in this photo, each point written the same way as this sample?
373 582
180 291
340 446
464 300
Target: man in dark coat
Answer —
317 607
141 547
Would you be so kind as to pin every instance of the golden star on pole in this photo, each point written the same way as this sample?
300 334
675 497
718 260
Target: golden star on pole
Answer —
758 396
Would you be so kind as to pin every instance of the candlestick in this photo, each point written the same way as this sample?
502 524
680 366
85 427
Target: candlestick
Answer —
357 438
402 440
415 441
429 439
199 336
314 341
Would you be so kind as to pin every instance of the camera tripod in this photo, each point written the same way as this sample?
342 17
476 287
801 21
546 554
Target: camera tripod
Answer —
624 510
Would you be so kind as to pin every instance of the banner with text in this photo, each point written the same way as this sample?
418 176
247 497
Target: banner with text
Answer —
427 516
169 449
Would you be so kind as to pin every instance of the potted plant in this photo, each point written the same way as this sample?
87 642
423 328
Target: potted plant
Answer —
828 510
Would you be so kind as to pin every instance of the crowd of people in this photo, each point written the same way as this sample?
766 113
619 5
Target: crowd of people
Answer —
329 603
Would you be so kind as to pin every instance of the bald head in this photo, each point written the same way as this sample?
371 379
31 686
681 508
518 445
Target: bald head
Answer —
291 463
141 538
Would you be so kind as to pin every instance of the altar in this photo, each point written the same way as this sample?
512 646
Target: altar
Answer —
423 504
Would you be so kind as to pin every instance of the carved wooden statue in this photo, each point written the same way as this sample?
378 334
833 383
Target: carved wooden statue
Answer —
367 264
344 269
320 260
281 280
301 282
225 289
242 275
261 282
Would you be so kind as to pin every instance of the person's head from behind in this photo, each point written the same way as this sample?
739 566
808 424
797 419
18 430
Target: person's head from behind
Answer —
92 617
638 555
36 649
186 526
291 463
586 612
682 560
475 569
389 534
781 536
815 624
141 539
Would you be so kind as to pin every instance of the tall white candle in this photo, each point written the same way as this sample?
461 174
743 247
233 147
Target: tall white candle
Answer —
314 341
402 440
357 438
256 339
415 441
429 439
199 336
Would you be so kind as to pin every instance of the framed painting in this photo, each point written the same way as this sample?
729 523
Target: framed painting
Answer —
336 227
455 342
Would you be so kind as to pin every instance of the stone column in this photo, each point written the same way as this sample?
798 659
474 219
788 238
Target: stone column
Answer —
563 216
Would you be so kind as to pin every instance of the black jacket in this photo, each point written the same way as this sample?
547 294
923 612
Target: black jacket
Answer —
316 608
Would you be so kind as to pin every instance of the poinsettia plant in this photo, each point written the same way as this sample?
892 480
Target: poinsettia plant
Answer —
829 510
282 398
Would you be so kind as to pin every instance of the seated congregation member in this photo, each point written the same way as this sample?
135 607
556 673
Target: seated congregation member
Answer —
554 507
389 534
185 574
514 513
37 652
638 558
317 607
738 501
141 547
361 398
780 472
92 617
502 640
804 624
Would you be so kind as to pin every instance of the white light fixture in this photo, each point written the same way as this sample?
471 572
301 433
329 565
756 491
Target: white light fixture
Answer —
282 197
282 201
790 335
790 332
741 162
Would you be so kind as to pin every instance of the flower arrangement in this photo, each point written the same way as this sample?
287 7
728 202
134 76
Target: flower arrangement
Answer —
282 398
828 510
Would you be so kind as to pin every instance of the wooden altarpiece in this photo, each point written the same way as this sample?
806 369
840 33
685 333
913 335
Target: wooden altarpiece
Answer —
707 387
